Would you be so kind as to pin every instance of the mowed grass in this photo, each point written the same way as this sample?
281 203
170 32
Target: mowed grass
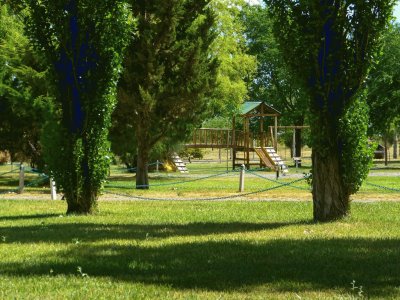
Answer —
197 250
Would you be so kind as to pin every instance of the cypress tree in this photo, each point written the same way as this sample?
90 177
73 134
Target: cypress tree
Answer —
83 42
169 74
330 45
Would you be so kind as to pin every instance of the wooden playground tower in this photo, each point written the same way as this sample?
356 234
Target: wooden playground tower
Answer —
264 144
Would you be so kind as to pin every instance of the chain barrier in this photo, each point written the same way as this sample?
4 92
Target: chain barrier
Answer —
135 168
9 191
42 178
181 182
9 172
205 199
382 187
277 181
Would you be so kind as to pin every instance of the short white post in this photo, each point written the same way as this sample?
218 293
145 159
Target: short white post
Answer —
53 189
21 179
241 181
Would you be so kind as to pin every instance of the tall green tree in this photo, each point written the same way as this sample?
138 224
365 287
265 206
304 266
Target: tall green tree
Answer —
83 42
274 82
23 91
329 45
169 74
384 89
236 66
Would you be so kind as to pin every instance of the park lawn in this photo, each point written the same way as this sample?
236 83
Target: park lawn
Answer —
197 250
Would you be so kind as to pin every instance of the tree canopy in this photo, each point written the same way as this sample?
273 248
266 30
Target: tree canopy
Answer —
169 74
274 82
24 100
329 46
384 84
236 65
83 43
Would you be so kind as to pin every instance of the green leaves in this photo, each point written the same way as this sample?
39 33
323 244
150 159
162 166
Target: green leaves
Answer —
329 46
83 43
169 75
384 84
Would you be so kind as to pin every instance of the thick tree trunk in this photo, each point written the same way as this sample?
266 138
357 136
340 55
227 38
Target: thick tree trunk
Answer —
82 196
331 201
79 205
395 146
142 173
330 195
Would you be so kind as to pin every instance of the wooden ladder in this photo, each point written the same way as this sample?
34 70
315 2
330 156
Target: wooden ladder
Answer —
270 151
271 159
179 164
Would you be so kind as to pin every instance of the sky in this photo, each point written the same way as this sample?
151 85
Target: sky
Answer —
396 9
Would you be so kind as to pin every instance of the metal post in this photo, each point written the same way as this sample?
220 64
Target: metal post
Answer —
241 182
21 179
53 189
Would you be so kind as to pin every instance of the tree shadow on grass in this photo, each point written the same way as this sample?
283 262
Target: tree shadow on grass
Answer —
286 265
28 217
92 232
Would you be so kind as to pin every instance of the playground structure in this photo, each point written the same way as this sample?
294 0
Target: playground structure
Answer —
244 142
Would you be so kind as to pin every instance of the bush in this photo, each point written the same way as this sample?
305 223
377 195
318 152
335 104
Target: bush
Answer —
4 157
192 153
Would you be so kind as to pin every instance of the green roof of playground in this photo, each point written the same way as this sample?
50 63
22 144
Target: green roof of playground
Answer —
249 106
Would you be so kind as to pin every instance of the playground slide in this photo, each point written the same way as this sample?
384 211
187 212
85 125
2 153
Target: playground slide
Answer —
270 158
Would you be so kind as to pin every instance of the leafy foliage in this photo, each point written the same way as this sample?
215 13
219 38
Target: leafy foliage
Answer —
236 65
23 92
274 81
83 42
330 45
384 84
357 151
169 75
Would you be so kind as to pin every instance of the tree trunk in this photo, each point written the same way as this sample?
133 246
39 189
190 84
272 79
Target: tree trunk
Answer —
142 170
386 149
82 196
79 205
331 201
395 146
298 139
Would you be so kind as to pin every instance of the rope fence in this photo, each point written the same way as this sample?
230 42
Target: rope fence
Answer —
382 187
42 178
205 199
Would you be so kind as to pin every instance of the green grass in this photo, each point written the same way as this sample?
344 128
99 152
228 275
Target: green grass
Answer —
197 250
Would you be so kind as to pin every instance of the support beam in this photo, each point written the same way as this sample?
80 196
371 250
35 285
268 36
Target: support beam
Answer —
276 134
233 142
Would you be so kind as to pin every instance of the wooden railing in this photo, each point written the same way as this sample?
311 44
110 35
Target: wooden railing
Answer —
223 138
211 138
